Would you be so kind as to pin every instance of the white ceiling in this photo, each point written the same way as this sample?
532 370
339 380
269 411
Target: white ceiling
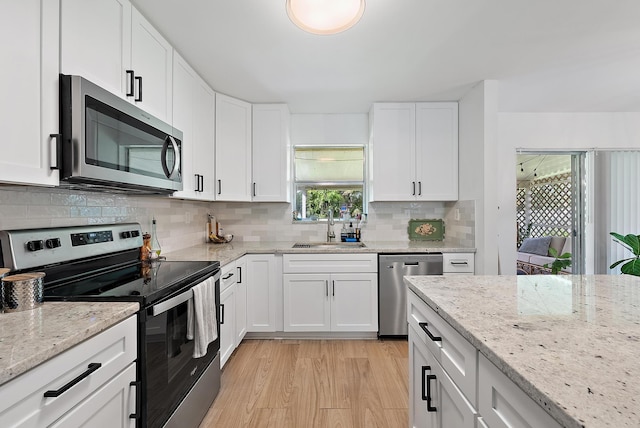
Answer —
548 55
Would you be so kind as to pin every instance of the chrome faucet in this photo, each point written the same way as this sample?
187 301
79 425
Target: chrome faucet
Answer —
330 233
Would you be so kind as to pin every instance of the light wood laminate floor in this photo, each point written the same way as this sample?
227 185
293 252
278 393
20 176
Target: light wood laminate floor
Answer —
314 383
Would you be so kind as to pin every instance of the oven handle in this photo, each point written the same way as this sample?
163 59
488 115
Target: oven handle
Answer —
175 301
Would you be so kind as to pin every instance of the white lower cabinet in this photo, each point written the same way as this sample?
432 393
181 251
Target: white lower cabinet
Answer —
263 281
326 301
458 264
227 324
452 385
435 401
104 395
503 404
241 300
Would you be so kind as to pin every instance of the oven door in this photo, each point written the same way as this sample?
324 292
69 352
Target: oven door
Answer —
170 370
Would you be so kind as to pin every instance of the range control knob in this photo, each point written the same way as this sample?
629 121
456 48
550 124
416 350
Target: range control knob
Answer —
52 243
125 235
135 233
35 245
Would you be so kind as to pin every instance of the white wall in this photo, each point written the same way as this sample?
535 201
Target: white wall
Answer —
477 171
329 129
550 131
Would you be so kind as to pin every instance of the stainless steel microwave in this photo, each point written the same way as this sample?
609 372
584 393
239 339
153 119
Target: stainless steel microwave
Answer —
107 143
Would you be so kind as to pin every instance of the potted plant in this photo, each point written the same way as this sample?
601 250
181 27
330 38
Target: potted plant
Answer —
561 261
632 243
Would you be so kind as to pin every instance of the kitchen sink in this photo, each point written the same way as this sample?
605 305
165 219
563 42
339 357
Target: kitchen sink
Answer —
329 245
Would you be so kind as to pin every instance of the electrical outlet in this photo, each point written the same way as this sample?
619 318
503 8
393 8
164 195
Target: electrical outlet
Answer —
456 214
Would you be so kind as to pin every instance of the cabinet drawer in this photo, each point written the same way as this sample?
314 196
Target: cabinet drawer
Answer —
22 400
503 404
228 276
456 355
329 263
457 263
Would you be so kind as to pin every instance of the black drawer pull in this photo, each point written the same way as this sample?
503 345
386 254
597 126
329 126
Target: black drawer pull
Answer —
222 314
430 408
459 262
138 386
227 276
423 326
424 373
56 393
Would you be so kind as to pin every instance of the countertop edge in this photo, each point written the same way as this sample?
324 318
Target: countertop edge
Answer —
552 408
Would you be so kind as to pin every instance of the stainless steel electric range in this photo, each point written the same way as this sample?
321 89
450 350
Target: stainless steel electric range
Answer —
102 263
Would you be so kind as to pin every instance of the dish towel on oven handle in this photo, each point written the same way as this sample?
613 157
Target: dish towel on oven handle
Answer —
202 325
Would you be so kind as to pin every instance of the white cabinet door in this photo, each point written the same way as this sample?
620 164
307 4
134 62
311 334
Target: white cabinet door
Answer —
414 151
307 305
193 114
435 401
354 302
241 300
227 324
270 153
262 283
109 407
203 159
95 41
152 63
437 151
233 149
29 30
392 151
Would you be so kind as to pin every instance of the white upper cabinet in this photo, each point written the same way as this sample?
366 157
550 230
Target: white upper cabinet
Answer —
271 146
233 149
194 115
152 64
29 85
111 44
414 151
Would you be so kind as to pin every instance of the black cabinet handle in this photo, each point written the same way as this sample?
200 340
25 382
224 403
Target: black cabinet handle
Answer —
219 187
333 288
222 313
197 182
430 408
413 183
419 188
239 281
54 158
425 397
254 188
228 276
139 98
130 92
57 392
138 386
326 287
423 326
459 262
202 183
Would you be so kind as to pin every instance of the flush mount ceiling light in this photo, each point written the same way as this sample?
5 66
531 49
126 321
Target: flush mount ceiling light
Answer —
325 16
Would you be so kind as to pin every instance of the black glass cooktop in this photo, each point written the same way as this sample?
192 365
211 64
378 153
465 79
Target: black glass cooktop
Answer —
146 283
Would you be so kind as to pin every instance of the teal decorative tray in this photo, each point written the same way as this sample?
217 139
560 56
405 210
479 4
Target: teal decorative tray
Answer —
426 230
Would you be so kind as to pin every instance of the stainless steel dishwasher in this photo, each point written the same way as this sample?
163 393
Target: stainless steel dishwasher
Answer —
392 292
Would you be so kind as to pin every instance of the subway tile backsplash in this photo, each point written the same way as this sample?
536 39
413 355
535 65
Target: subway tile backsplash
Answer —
181 224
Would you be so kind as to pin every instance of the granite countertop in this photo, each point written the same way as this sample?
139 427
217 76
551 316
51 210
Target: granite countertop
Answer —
226 253
28 338
570 342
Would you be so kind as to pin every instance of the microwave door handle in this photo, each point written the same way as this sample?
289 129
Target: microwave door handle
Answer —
175 172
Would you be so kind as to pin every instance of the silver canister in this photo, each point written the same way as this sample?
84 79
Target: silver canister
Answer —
22 292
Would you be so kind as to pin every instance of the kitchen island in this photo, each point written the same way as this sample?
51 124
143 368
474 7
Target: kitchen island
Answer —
571 343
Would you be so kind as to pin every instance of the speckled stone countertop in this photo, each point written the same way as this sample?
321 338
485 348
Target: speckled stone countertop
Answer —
226 253
28 338
572 342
